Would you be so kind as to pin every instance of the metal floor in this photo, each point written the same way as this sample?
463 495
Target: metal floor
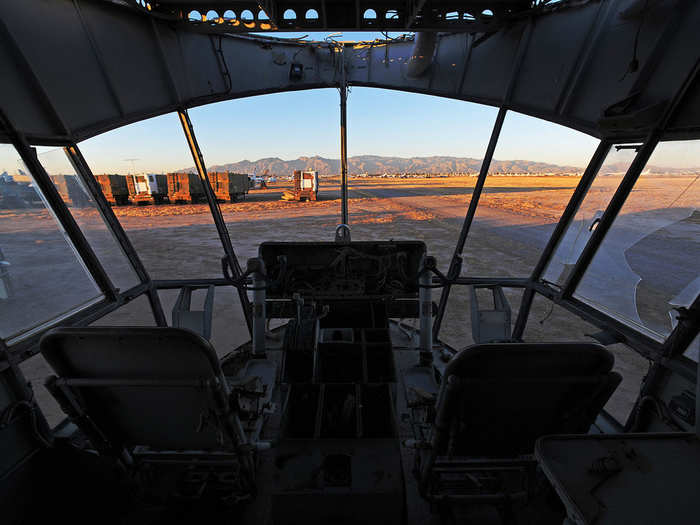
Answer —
258 512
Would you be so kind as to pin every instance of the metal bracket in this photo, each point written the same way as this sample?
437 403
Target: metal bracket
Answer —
490 325
199 321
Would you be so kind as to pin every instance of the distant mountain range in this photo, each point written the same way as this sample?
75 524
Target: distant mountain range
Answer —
375 164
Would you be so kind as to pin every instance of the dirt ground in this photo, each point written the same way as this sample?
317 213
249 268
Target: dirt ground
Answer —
515 218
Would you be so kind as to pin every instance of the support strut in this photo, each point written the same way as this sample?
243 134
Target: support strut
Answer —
559 231
343 145
217 215
85 173
456 263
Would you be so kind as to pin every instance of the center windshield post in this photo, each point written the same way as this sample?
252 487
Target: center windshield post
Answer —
343 143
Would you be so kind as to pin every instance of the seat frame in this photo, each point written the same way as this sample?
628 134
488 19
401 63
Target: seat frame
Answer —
435 455
234 450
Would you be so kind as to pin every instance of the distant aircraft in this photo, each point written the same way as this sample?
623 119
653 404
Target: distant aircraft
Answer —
257 181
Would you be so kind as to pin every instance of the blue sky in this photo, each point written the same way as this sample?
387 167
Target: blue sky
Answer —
289 125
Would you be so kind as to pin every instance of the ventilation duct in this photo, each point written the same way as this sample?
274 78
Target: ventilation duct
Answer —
422 54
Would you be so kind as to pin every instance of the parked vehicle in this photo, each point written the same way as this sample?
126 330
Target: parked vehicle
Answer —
147 188
305 187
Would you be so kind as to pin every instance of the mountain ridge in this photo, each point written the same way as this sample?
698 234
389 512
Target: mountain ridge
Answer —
378 164
434 164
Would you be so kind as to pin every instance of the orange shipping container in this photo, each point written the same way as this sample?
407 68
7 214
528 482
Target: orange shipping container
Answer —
114 188
229 186
185 187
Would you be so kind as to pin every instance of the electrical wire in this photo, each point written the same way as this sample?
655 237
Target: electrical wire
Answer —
683 192
549 314
634 63
223 65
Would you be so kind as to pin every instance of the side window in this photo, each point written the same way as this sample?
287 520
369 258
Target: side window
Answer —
589 212
647 265
85 212
41 276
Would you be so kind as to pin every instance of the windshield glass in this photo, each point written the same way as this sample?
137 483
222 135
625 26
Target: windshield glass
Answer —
647 265
84 210
535 169
267 138
147 170
589 212
41 277
409 180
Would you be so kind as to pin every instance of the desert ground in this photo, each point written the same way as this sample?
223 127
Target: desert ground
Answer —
515 217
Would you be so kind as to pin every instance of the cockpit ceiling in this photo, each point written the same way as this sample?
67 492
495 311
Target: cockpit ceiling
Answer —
344 15
74 69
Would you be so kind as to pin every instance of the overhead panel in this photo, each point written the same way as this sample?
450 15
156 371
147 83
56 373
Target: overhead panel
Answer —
551 60
673 68
684 119
202 66
53 41
19 98
167 38
132 60
256 66
387 63
608 77
241 67
117 64
490 65
447 62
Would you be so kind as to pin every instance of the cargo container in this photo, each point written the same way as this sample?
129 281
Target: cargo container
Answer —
185 187
71 190
114 188
148 188
229 186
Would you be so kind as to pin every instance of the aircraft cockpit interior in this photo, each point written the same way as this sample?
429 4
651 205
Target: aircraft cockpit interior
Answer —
486 341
